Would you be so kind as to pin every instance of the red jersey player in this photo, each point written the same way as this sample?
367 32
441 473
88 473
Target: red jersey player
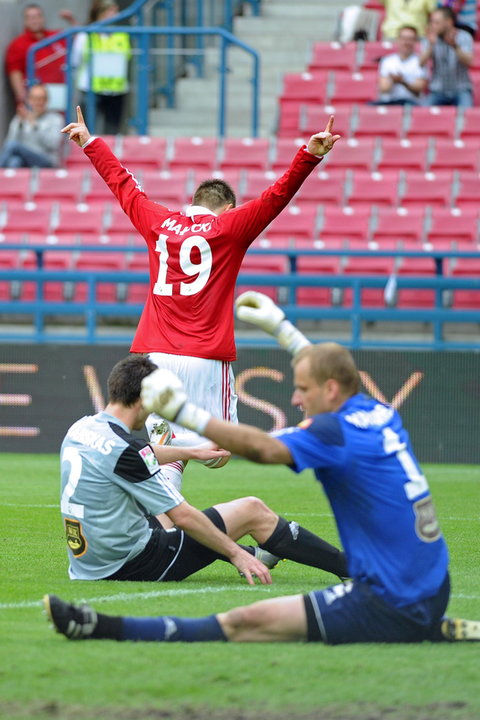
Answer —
187 324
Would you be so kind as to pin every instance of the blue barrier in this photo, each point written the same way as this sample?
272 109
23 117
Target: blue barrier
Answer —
92 311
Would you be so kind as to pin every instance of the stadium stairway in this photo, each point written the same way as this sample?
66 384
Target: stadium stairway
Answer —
283 35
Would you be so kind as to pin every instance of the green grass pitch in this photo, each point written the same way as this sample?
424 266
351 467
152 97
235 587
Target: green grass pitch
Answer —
42 675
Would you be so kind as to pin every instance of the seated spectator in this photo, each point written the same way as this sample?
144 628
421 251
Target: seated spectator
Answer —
399 13
49 60
451 53
402 79
465 12
33 138
110 53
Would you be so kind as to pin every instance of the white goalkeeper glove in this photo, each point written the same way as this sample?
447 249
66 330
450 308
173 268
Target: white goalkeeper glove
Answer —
260 310
162 392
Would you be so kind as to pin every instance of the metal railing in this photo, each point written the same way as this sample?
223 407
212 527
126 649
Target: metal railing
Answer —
92 311
144 69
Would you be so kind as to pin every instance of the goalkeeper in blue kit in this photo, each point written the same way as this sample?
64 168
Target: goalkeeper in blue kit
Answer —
360 453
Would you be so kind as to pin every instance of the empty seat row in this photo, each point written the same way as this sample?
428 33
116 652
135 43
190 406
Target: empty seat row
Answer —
358 56
386 121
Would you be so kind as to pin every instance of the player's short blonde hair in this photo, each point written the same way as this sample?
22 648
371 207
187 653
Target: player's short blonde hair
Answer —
331 360
214 194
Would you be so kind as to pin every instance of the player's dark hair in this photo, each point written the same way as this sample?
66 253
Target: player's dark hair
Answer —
125 379
447 13
331 360
214 194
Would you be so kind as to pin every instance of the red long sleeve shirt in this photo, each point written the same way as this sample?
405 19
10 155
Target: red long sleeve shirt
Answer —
49 61
194 258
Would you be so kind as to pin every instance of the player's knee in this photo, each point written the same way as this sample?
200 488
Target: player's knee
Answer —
240 622
257 508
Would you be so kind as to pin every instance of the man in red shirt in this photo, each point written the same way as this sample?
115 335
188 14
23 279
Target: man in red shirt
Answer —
187 324
49 61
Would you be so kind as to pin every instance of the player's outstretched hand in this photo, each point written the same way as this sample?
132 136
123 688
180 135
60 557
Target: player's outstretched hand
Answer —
77 131
162 392
250 568
260 310
321 143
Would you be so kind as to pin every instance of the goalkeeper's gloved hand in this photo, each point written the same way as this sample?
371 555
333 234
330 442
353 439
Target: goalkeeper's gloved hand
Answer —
260 310
162 392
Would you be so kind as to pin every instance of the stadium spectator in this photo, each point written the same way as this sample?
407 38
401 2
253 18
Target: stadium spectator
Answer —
398 13
465 13
33 138
402 80
107 54
49 67
187 323
112 489
361 455
450 51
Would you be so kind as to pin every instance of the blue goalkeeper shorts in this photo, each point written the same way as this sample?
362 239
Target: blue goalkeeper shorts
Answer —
353 613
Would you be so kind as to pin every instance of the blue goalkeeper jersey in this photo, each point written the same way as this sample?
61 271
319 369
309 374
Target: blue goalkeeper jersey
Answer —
381 501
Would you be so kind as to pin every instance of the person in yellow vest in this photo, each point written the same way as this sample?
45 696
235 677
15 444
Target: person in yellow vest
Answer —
105 57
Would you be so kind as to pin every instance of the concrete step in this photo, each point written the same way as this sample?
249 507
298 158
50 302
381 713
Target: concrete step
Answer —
283 37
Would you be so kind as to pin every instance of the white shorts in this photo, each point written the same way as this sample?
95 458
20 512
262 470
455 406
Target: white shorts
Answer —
210 384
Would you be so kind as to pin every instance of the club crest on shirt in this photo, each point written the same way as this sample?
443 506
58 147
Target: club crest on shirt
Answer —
75 538
148 457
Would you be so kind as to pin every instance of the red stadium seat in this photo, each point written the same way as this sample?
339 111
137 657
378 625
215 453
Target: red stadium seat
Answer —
377 188
59 185
263 265
368 265
143 151
245 153
470 128
453 225
9 260
316 265
432 121
314 119
304 87
373 52
169 187
352 155
75 155
295 222
322 187
288 123
80 218
405 225
15 184
468 191
197 153
256 182
98 262
455 155
333 56
434 189
285 150
56 260
468 299
344 223
352 88
416 297
379 121
403 154
96 189
27 217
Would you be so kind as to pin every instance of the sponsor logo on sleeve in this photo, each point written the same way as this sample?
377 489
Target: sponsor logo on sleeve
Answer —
148 457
